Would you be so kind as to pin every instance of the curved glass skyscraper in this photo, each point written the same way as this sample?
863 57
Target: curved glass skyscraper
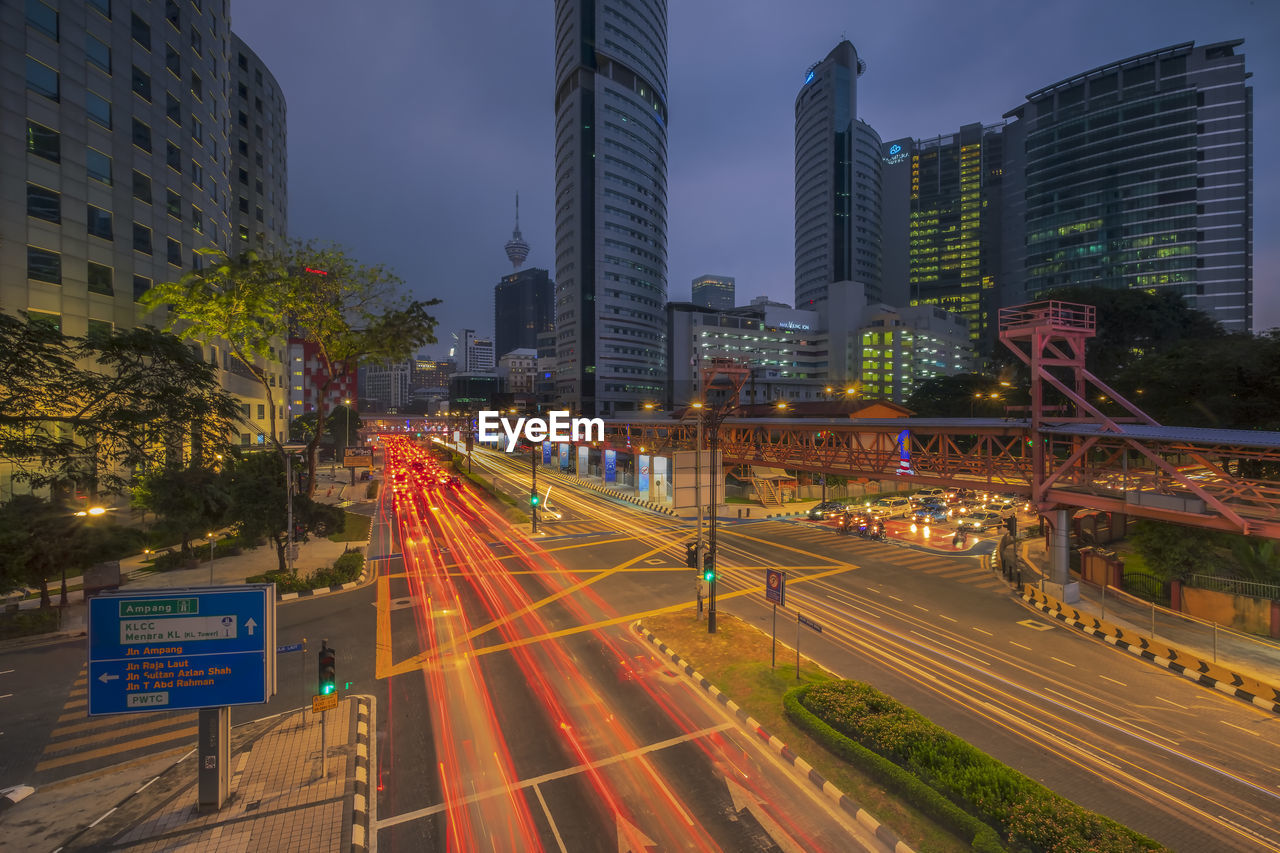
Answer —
611 203
838 183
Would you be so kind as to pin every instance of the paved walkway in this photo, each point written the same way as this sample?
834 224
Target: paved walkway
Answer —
279 799
1257 658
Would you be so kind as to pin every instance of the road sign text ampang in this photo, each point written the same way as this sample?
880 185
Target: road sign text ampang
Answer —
557 427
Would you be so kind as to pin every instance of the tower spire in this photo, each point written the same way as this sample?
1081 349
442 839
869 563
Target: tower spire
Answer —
517 248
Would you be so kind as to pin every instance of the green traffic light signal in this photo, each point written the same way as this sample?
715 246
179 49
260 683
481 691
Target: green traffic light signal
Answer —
534 500
708 575
326 689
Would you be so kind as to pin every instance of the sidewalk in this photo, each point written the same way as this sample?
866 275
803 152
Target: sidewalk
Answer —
278 799
1259 659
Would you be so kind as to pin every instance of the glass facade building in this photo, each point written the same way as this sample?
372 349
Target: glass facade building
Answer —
714 291
837 182
955 232
903 348
1139 174
611 203
523 308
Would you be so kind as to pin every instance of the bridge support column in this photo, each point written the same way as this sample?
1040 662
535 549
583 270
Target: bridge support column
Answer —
1059 583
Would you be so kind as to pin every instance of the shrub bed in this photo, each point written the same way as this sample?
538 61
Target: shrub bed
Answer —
859 721
345 569
26 623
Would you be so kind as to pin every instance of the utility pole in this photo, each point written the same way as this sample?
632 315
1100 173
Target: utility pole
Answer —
288 476
533 484
711 550
697 495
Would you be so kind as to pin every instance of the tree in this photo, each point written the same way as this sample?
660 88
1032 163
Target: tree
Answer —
39 539
190 501
1132 323
259 503
350 312
966 395
89 410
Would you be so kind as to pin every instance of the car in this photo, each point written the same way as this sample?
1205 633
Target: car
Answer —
977 522
826 509
925 494
890 507
1005 506
931 514
968 506
932 501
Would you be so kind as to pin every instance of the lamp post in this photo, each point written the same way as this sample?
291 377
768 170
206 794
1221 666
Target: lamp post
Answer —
346 436
211 541
697 494
92 511
533 484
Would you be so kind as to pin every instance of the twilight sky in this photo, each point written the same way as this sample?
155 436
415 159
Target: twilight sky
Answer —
413 123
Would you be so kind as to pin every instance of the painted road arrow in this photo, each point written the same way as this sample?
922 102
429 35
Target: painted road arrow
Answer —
630 838
104 678
744 800
251 625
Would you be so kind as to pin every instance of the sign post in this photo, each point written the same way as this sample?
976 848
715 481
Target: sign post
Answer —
775 591
800 620
204 648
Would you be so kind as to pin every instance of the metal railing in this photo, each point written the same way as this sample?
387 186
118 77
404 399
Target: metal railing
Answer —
1234 586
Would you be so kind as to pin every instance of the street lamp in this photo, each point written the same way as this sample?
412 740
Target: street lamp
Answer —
211 541
92 511
346 435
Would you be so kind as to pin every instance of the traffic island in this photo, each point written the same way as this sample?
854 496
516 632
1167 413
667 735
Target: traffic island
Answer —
734 662
285 795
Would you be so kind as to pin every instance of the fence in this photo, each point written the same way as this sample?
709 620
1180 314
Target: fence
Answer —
1256 589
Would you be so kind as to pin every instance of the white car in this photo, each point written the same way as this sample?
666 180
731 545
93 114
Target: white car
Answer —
890 508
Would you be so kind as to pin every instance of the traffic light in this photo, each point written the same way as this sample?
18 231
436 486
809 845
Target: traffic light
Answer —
709 568
328 669
1011 524
534 500
691 556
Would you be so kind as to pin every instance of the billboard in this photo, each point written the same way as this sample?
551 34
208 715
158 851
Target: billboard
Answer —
642 475
611 466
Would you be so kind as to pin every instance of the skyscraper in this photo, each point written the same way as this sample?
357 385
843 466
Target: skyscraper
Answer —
611 203
838 183
523 308
1140 174
955 234
714 291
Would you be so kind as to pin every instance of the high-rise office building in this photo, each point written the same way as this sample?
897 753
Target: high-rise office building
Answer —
903 347
523 308
116 164
955 226
1140 174
896 163
259 215
838 184
611 202
473 353
714 291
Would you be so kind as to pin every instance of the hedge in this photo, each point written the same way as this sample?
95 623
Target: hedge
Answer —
893 777
1024 813
345 569
26 623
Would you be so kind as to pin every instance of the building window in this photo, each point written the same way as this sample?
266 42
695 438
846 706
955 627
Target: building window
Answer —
42 79
44 265
172 156
258 213
141 284
142 135
262 411
141 31
242 147
173 204
42 19
173 61
243 118
141 238
257 76
99 222
44 204
242 90
197 220
257 186
100 279
100 328
98 165
141 84
244 232
174 251
197 87
197 174
98 108
172 15
244 204
196 42
244 177
257 104
103 6
43 142
243 63
48 319
197 131
173 109
98 53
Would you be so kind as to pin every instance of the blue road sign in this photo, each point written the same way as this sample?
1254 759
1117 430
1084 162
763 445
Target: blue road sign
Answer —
181 648
292 647
808 623
775 587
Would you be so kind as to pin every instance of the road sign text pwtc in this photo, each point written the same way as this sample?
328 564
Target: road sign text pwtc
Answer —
775 587
193 649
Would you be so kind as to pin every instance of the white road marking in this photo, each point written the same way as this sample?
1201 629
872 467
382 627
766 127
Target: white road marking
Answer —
948 618
1064 662
554 829
101 819
1170 701
1019 645
918 607
1234 726
1121 683
982 630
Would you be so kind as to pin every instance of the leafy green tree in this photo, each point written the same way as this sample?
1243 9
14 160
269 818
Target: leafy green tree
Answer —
189 501
40 540
259 503
315 292
89 410
962 396
1172 550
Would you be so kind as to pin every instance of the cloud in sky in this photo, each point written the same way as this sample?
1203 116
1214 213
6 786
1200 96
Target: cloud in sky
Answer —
413 123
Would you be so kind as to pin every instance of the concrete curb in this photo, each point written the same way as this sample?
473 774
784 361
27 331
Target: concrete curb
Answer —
623 496
360 581
1194 669
882 833
10 797
360 828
